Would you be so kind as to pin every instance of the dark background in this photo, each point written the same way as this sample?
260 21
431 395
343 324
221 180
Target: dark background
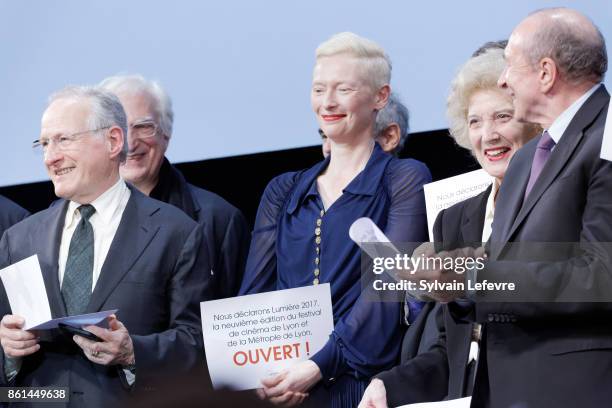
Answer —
242 179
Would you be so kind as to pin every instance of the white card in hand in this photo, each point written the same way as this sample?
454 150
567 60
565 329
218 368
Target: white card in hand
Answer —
364 231
25 288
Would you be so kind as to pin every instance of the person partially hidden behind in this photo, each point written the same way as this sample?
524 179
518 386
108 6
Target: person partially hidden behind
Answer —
150 122
10 213
103 246
390 129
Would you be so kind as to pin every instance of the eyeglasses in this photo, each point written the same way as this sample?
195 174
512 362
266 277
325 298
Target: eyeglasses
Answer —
61 142
144 129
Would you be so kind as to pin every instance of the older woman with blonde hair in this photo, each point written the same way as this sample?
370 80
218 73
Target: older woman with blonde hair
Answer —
481 116
301 233
481 119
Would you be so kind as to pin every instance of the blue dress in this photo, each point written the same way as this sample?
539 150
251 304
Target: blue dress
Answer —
296 242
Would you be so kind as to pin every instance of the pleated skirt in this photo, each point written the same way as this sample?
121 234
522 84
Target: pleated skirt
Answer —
345 392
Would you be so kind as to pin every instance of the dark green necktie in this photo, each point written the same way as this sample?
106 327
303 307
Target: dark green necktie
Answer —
78 274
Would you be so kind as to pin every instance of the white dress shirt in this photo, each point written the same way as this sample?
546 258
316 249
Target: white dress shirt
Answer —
105 221
489 212
486 234
560 124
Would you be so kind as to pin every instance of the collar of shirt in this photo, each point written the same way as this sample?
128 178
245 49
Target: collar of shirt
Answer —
106 204
105 221
365 183
489 212
558 127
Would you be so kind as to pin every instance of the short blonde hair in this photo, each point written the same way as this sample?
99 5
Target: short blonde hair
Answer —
373 58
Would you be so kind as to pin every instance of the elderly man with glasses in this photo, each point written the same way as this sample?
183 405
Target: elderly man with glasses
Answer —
150 118
104 246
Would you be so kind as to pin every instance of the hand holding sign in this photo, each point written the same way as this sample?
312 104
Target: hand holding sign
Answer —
255 337
289 387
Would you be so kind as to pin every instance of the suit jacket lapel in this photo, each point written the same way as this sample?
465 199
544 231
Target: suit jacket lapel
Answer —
561 154
196 204
135 232
471 228
47 249
413 336
510 197
556 162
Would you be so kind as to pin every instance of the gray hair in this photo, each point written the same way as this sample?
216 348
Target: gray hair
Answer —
373 58
579 53
478 73
394 112
106 109
136 84
501 44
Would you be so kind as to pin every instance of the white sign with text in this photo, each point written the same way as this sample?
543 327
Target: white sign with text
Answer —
248 338
442 194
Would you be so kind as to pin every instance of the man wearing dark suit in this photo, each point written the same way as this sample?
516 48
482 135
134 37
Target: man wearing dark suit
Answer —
105 246
150 119
10 213
552 354
546 353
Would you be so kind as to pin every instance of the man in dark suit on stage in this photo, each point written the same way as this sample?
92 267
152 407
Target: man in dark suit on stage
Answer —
10 213
537 348
104 246
150 121
557 189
